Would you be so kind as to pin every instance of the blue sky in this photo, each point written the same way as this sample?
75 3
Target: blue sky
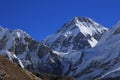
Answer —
41 18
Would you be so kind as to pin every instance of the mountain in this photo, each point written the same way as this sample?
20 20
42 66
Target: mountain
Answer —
19 47
78 33
10 71
112 42
35 56
94 51
101 62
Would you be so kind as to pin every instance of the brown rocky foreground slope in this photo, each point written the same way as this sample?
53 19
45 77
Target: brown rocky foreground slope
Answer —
11 71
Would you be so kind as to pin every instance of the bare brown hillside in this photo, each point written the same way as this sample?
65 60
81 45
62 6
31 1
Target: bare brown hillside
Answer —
11 71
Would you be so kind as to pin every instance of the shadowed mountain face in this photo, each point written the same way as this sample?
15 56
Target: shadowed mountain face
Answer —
19 47
45 76
77 50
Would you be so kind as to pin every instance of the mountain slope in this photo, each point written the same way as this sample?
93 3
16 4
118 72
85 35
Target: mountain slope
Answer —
11 71
79 33
100 62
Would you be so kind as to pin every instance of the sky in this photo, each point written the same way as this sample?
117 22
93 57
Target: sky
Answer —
40 18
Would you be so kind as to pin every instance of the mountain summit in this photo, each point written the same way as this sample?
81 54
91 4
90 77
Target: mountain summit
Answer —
78 33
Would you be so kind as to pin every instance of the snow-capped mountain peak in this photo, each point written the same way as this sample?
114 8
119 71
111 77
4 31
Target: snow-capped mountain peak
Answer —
82 19
78 33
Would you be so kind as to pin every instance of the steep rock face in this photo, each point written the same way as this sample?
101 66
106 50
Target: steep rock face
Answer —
79 33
